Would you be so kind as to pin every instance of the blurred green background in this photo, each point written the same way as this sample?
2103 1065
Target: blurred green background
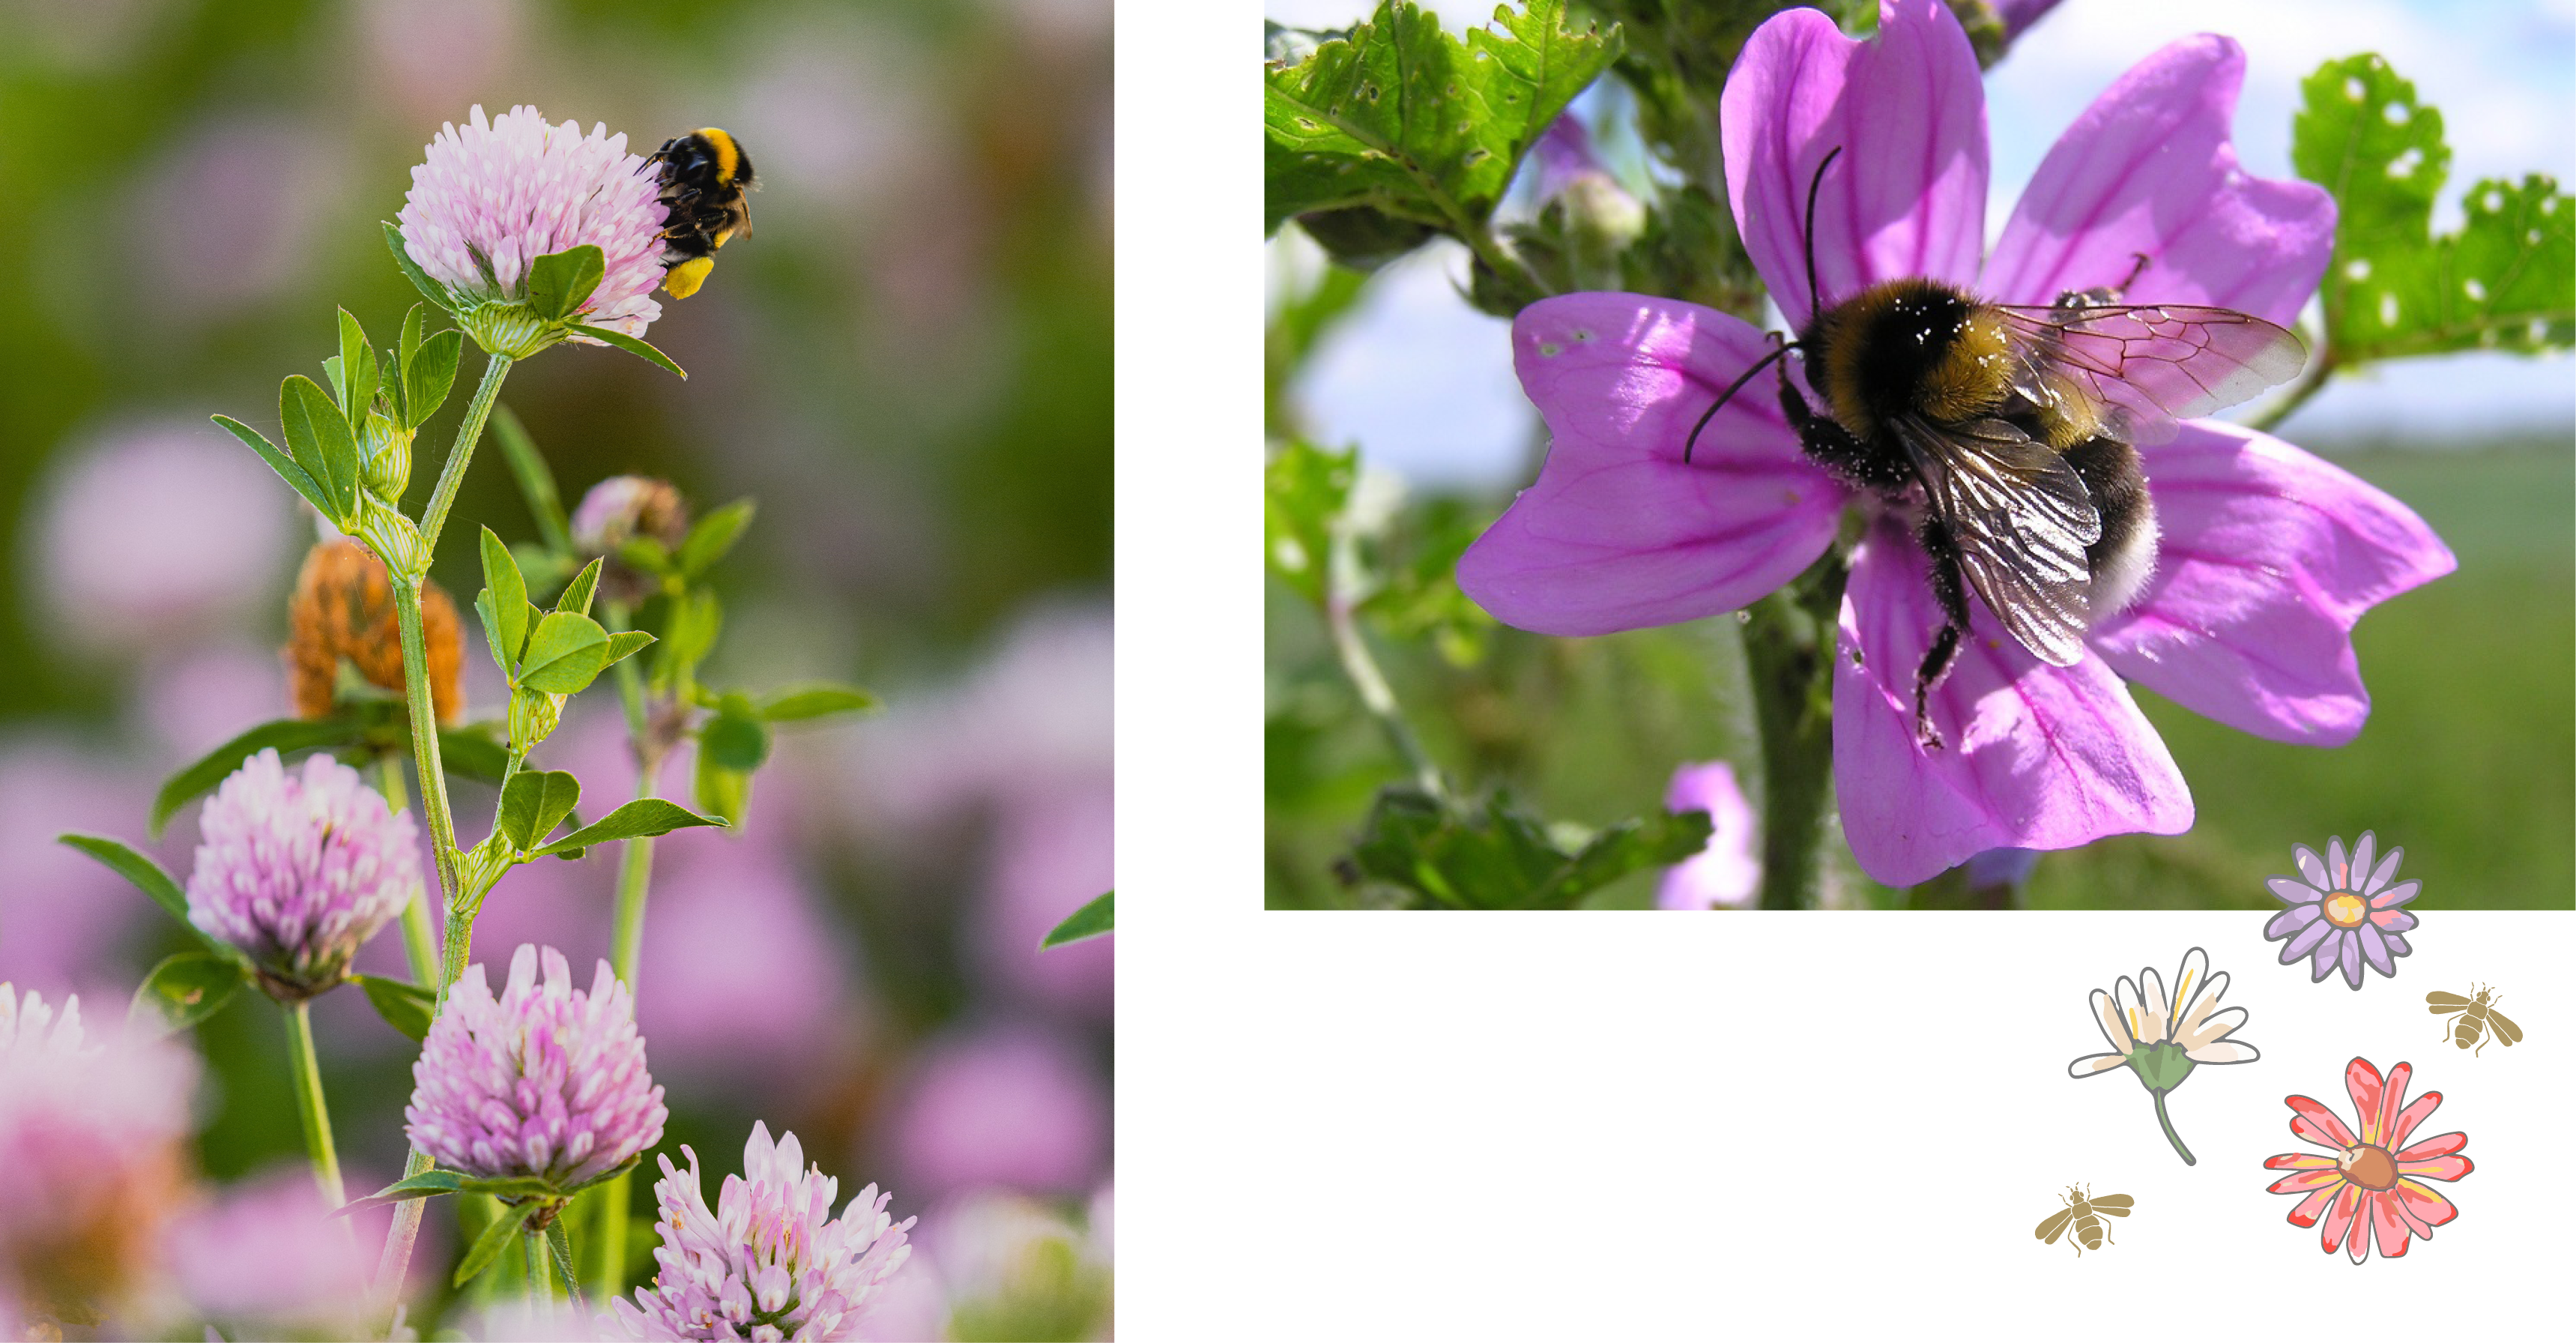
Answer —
908 366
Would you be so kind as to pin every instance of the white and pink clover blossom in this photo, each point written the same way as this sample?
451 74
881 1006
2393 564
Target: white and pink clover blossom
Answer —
298 869
545 1081
2269 554
769 1260
493 195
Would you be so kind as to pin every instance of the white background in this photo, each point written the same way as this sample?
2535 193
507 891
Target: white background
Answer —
1611 1126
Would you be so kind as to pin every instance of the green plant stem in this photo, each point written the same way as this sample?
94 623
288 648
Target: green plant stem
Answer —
450 477
2310 381
1788 651
310 1105
420 938
626 946
1379 698
2171 1136
559 1240
541 1281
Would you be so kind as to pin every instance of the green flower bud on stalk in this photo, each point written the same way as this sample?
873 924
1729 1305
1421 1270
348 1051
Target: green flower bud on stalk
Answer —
395 539
385 446
534 716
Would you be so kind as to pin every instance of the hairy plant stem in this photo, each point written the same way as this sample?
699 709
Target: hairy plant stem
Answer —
420 939
1379 698
2171 1136
541 1280
405 1231
1788 652
310 1105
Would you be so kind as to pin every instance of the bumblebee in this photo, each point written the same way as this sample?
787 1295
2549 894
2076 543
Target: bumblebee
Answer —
2083 1214
2009 433
704 175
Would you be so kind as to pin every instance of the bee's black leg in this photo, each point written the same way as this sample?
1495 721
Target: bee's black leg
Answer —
1950 589
1835 448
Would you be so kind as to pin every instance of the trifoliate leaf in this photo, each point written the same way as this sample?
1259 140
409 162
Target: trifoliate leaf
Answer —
629 344
186 989
1401 117
495 1238
735 741
2506 280
286 467
644 816
1499 857
560 282
429 374
287 735
577 593
405 1007
357 371
137 867
506 615
319 440
429 289
565 654
428 1183
533 803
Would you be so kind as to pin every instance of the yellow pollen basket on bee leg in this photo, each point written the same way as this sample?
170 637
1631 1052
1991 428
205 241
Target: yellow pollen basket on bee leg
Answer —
683 280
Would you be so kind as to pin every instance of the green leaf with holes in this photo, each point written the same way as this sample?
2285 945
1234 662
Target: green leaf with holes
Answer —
2506 280
1397 116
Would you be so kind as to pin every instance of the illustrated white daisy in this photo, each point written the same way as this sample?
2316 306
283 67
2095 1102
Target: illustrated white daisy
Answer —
2162 1039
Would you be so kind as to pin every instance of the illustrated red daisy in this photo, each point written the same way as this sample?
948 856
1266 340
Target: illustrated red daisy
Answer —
2374 1182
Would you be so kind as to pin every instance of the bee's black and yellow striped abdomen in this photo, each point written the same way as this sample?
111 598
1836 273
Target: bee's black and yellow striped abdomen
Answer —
704 175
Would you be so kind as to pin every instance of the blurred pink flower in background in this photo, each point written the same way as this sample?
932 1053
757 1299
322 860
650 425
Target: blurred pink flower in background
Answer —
744 977
1729 870
205 696
1050 856
230 217
270 1254
429 58
990 1263
155 535
61 913
1011 1105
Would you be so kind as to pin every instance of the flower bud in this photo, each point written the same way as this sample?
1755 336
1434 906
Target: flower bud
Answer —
343 609
386 448
534 716
618 510
395 538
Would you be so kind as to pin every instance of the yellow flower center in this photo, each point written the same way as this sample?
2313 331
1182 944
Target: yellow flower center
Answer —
2345 909
2369 1167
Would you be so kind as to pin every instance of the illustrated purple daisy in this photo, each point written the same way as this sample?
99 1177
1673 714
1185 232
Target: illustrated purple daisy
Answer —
494 195
545 1082
1728 872
2269 555
2344 912
298 869
769 1260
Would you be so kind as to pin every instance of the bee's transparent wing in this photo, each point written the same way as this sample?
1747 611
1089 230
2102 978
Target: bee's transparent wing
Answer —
2021 518
2055 1226
2148 365
2117 1205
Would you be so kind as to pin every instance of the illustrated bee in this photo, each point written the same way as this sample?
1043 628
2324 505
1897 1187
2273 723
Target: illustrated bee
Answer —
2085 1213
2477 1015
2011 431
704 175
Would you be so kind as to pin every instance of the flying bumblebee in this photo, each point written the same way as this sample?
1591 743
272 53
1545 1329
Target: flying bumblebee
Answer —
704 175
2477 1016
2085 1213
2010 431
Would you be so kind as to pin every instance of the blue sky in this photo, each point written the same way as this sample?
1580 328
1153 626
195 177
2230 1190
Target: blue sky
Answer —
1423 384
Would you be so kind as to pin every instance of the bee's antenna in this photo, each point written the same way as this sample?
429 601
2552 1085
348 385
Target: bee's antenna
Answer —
1728 395
1815 297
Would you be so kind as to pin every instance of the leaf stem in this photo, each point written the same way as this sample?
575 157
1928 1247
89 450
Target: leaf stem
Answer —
1788 651
1379 698
451 476
309 1104
420 939
2171 1136
2310 381
536 482
626 944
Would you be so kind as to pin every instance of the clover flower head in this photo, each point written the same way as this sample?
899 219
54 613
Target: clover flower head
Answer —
545 1081
769 1260
2162 1039
1729 870
2268 555
621 509
2344 912
2373 1185
92 1146
343 609
493 195
299 869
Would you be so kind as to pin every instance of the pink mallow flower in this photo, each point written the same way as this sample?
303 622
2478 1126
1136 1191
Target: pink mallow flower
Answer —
2269 555
1728 872
769 1260
545 1082
493 196
298 869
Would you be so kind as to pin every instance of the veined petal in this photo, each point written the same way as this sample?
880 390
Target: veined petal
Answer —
2299 1181
2318 1124
2094 1064
2431 1148
1908 110
2269 555
2115 1028
2366 1086
2037 757
2148 169
2223 1051
2396 895
1617 533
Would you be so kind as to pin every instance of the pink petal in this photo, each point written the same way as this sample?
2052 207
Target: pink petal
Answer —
2037 757
2416 1112
2306 1213
2298 1161
2318 1124
1908 195
2364 1084
2148 169
2391 922
1728 871
2339 1219
2385 1223
1617 533
2431 1148
2426 1202
2269 556
2297 1181
2436 1168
